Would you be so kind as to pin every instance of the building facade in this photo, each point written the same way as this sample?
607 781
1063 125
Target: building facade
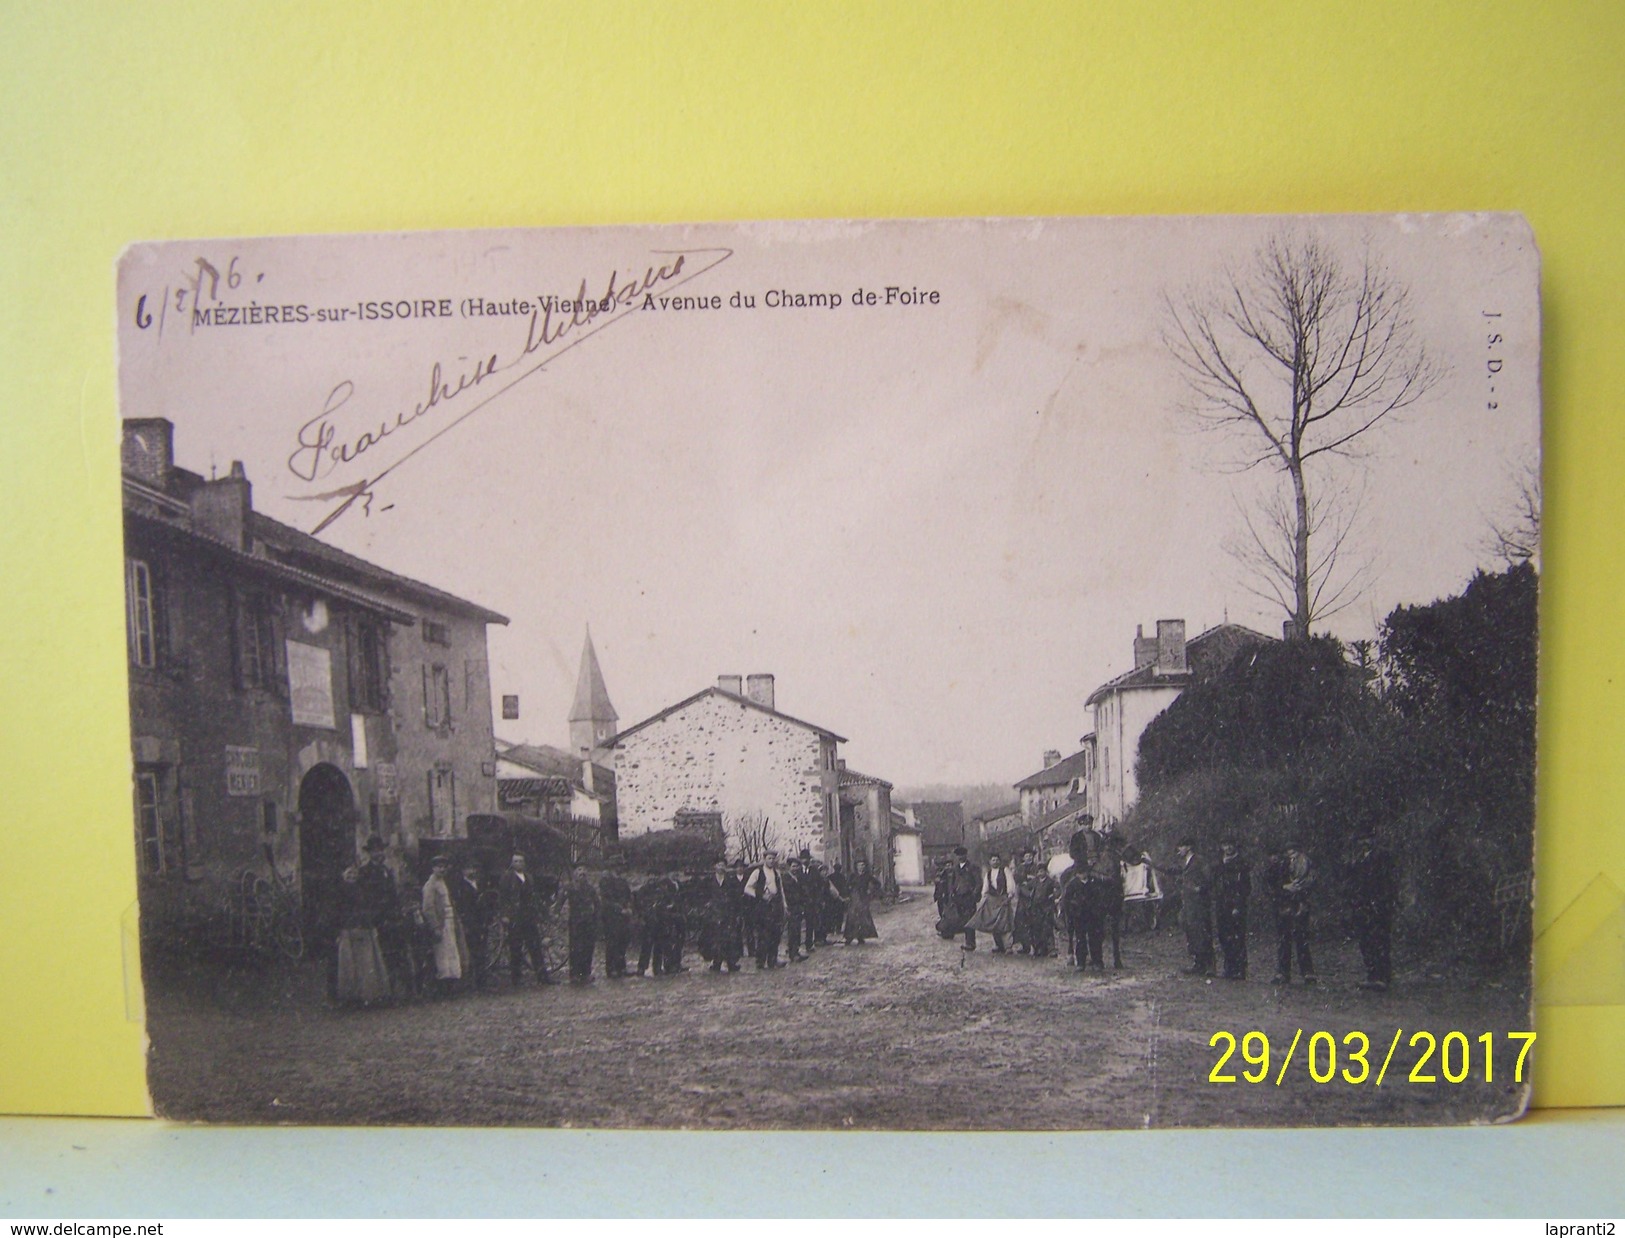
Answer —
286 699
1164 666
727 756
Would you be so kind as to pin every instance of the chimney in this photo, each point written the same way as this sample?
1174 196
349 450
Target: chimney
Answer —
148 450
1051 757
1171 647
1289 629
759 688
221 507
731 683
1145 648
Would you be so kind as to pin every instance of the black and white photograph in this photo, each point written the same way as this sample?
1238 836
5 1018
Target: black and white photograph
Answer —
997 675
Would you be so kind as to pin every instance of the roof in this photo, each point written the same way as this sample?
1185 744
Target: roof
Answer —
285 541
550 762
270 568
512 791
592 697
1060 774
1206 655
727 696
851 778
996 814
941 823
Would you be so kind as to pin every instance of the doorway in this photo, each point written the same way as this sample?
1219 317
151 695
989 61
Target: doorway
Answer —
327 817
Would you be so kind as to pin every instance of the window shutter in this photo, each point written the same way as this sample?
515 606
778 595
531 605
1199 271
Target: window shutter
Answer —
427 721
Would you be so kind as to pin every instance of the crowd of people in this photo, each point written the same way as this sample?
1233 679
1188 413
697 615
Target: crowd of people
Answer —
391 946
462 926
1025 905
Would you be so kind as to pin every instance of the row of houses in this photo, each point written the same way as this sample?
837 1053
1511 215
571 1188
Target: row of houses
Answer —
725 761
288 700
1097 781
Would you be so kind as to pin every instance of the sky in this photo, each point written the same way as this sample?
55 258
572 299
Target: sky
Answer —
937 524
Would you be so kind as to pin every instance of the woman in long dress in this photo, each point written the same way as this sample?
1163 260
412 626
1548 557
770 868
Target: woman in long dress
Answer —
360 975
860 921
997 912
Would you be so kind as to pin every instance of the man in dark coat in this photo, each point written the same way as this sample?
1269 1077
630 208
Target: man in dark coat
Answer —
378 906
1290 877
1196 908
765 890
656 904
615 911
581 900
1372 894
1026 872
941 892
723 941
474 903
675 937
1232 886
800 900
964 893
522 905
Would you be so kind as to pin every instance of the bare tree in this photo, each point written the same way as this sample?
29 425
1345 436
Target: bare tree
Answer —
751 835
1514 535
1299 356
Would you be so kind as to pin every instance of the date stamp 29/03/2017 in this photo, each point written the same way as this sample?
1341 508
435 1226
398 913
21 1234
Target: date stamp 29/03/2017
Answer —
1454 1057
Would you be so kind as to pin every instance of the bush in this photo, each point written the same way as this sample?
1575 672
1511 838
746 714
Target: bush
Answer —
663 850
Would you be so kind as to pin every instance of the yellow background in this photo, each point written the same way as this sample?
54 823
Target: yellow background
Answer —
138 122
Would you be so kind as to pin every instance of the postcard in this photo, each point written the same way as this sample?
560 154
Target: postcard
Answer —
1022 674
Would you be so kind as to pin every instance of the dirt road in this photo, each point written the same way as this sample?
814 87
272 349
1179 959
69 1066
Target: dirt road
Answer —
905 1033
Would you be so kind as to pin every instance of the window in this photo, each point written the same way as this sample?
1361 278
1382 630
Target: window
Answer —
368 668
142 605
443 800
149 823
436 696
259 651
436 633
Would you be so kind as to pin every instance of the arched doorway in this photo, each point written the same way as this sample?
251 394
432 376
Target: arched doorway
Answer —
327 817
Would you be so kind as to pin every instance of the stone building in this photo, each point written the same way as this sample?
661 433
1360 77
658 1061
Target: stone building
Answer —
1062 780
286 698
1164 666
866 822
726 755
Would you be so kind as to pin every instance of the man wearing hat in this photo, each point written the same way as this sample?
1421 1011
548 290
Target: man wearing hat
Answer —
964 892
722 941
615 907
1196 907
379 906
1292 876
765 890
800 901
1232 887
472 901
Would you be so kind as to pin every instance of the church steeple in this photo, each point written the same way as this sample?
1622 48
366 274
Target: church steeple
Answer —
592 717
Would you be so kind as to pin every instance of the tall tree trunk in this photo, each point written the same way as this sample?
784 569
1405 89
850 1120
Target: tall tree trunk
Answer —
1300 554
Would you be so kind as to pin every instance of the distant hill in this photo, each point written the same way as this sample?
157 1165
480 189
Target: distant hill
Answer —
977 797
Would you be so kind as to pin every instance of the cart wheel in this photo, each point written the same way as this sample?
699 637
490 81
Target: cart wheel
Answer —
289 935
557 949
496 945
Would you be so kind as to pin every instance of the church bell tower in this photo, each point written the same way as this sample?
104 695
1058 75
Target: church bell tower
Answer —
592 717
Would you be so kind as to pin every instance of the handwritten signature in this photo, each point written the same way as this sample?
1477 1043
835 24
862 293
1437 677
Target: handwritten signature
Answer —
322 450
